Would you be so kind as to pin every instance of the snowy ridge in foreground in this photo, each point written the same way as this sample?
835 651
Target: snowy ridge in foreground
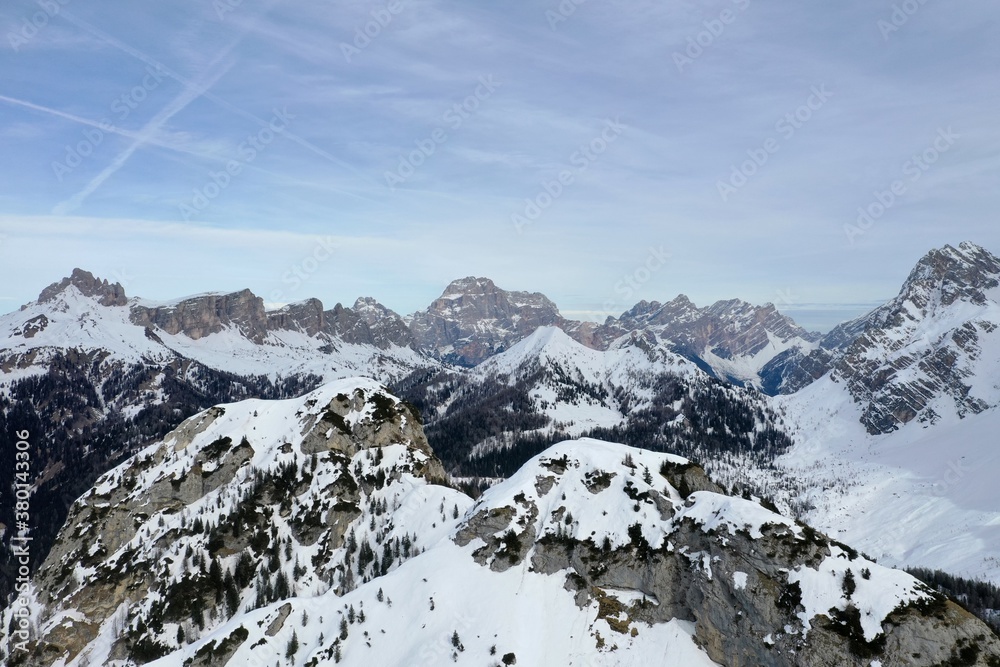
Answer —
318 531
578 560
242 505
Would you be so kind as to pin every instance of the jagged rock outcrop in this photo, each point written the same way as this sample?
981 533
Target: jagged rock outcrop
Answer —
305 316
107 294
367 323
760 589
387 327
347 325
474 319
920 354
240 505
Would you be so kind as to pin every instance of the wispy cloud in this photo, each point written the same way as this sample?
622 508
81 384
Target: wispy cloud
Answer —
357 119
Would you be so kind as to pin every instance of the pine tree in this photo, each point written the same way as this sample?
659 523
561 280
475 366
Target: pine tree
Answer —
386 559
215 579
849 585
281 589
232 595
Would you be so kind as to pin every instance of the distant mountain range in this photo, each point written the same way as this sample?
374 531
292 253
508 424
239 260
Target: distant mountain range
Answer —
471 321
878 432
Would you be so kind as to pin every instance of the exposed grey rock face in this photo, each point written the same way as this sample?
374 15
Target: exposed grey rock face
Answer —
728 330
347 325
305 316
151 534
474 319
387 328
107 294
367 323
920 352
753 583
203 315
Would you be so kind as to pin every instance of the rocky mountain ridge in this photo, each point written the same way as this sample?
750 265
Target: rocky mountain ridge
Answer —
474 320
327 477
205 314
315 531
930 351
471 321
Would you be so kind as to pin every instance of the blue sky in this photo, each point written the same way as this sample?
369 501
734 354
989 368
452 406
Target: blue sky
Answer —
601 152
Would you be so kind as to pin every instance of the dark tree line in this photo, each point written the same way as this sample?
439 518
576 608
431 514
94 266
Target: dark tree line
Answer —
697 418
477 412
981 598
75 414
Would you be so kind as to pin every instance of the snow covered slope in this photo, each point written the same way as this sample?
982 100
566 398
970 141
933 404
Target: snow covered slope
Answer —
557 363
492 418
895 444
924 495
324 537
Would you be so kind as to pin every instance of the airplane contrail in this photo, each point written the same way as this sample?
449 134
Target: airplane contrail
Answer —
149 60
150 129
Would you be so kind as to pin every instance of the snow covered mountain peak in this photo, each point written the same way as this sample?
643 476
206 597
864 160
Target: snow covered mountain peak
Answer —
948 274
241 505
547 342
930 352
